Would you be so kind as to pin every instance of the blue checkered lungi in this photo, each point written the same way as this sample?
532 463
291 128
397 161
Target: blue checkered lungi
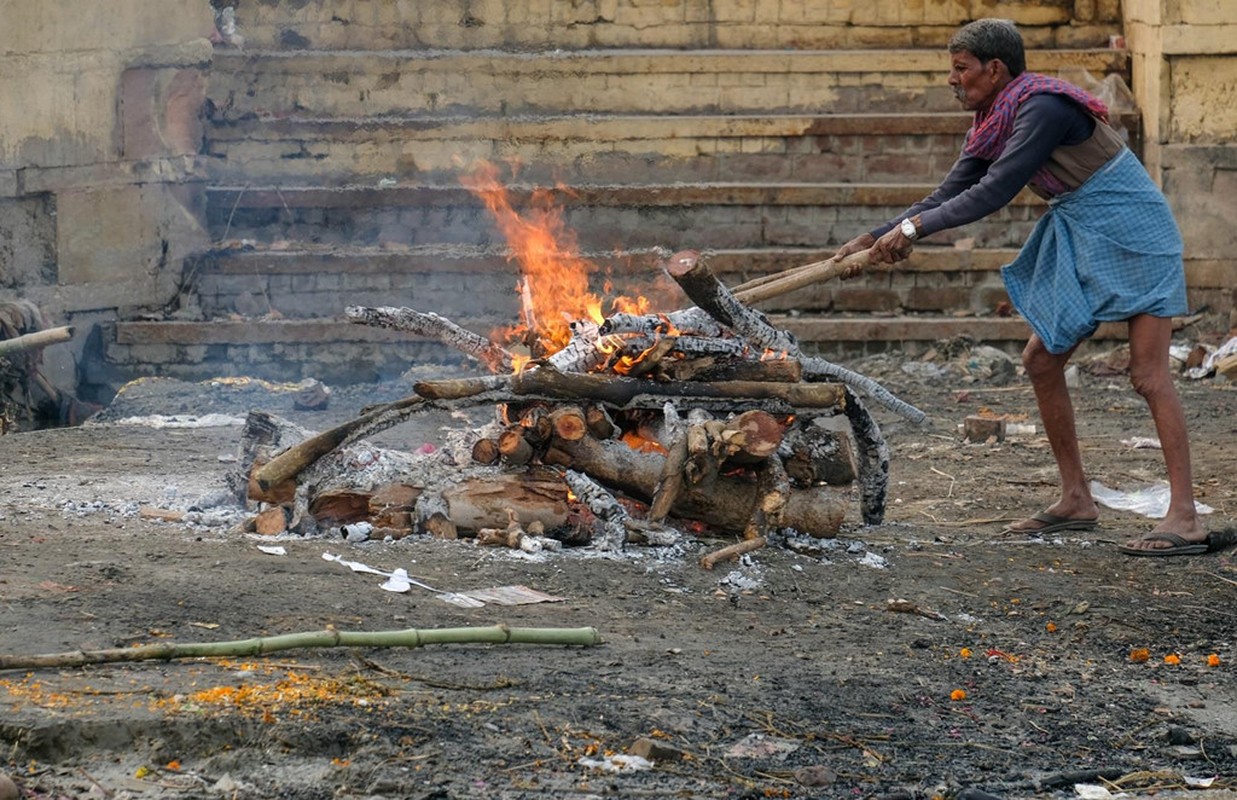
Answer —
1108 251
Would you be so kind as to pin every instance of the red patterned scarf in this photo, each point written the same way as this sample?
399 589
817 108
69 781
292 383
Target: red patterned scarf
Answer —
992 128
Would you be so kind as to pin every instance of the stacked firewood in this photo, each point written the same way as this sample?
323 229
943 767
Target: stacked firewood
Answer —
639 429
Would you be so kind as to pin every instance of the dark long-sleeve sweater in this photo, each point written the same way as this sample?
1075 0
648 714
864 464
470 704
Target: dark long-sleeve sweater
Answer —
976 187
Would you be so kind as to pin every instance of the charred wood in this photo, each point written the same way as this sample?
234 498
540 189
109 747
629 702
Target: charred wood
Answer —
599 422
687 321
707 368
430 325
814 453
291 462
706 291
819 369
873 460
433 516
774 491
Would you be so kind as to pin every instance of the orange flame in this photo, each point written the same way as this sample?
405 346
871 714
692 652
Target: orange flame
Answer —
554 284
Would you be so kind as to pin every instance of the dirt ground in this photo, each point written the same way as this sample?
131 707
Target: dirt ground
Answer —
786 675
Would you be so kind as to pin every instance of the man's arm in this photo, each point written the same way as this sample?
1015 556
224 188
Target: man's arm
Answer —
1043 123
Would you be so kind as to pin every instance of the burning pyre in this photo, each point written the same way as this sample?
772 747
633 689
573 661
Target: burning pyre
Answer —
615 423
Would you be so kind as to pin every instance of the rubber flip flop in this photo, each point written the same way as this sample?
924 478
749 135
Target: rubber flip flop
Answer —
1178 546
1053 523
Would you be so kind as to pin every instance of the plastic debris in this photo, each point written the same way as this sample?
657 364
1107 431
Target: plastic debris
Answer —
1150 501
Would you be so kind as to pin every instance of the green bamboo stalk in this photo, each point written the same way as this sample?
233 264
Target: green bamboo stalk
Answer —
411 637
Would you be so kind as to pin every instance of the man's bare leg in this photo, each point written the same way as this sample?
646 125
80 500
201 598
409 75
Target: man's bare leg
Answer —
1149 341
1047 373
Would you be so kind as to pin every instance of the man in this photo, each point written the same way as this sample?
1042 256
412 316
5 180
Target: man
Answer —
1107 249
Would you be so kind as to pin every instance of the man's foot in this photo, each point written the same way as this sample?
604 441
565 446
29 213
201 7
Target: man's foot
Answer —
1047 522
1175 536
1164 543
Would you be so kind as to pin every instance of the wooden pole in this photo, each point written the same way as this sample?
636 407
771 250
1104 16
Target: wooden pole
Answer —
797 277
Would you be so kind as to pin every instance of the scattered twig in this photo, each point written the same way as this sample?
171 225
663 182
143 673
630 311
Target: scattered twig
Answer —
952 480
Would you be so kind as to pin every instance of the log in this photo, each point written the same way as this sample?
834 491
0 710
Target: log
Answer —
35 340
774 489
815 369
430 325
568 423
339 507
599 422
687 321
712 369
706 291
484 502
513 449
814 453
797 277
291 462
873 460
750 438
670 484
391 506
603 505
433 515
485 451
701 467
619 391
649 359
535 424
726 503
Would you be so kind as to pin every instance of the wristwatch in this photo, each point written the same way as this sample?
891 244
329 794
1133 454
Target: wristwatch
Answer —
909 230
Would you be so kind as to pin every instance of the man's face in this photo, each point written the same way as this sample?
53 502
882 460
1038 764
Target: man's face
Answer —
975 83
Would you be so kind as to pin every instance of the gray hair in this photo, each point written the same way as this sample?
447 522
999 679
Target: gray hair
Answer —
987 39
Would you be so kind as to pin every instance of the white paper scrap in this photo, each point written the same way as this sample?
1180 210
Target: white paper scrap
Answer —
274 550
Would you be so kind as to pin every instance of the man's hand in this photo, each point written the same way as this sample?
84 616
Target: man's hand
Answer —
891 248
861 242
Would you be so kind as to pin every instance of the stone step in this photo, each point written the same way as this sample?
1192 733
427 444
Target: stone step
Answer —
337 352
479 283
530 25
602 217
406 82
917 148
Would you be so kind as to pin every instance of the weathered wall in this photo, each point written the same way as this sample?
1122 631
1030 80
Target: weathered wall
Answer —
689 24
98 141
1185 79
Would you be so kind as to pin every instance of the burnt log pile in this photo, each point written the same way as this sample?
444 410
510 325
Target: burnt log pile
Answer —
642 429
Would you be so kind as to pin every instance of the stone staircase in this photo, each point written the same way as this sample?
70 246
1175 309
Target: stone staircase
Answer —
338 138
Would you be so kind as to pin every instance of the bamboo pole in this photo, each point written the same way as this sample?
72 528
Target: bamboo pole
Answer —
410 637
30 341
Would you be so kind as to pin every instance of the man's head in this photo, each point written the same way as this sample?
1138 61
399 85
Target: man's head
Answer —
984 56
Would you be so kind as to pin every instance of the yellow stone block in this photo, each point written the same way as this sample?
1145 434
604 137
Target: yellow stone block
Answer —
72 26
1204 99
67 108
